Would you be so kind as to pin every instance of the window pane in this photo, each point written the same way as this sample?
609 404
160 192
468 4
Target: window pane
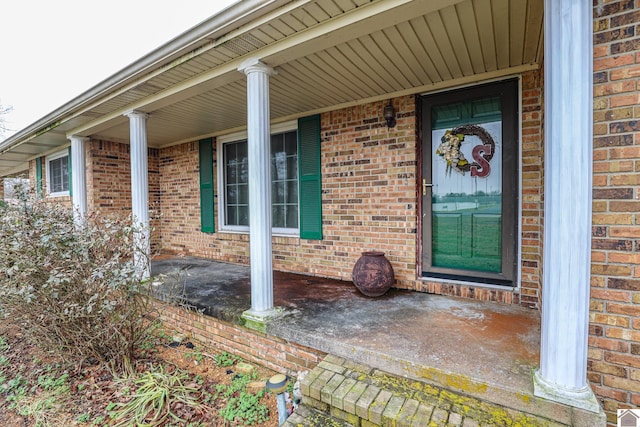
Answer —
59 175
292 192
236 178
243 215
55 176
243 194
292 167
284 181
241 154
277 216
278 166
277 143
291 142
232 194
232 174
292 216
277 192
232 215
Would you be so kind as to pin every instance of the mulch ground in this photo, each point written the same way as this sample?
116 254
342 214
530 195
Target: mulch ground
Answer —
93 386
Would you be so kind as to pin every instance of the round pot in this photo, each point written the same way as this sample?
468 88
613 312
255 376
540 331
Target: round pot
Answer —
373 274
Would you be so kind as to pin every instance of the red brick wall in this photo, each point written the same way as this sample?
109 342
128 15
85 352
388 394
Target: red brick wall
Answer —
274 353
614 341
532 188
109 181
369 185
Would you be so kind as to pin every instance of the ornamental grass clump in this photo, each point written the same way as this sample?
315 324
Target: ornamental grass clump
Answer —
73 287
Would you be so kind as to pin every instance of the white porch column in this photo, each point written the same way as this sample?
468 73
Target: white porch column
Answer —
568 138
140 189
78 178
259 141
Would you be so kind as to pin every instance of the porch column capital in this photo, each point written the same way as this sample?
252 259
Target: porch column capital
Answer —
568 137
254 65
78 178
135 114
78 138
140 190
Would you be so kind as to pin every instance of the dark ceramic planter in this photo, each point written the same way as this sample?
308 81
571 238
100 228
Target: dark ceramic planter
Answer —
373 274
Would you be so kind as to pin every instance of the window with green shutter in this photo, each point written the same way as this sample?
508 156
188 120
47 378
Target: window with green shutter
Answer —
295 180
207 224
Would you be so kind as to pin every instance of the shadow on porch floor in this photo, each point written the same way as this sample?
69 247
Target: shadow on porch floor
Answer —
484 350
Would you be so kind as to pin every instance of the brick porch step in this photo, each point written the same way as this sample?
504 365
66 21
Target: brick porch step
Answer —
353 394
307 417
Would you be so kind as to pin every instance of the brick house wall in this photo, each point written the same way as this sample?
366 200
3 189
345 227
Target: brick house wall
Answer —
108 174
370 199
614 340
369 186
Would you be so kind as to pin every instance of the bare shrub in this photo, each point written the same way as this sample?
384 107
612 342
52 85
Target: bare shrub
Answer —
75 289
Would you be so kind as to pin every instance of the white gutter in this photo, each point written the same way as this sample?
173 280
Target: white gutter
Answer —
218 25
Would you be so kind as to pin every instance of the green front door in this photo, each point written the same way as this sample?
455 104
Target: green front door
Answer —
469 184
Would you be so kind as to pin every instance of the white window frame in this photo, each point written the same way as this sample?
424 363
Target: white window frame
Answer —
49 159
222 217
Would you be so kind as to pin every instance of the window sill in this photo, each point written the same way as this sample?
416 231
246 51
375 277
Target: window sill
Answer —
277 233
58 194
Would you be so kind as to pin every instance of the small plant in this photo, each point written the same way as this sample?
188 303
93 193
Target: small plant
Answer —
98 421
83 418
195 355
152 404
246 408
242 407
225 359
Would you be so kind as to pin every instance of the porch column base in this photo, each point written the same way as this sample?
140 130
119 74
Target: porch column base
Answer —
583 398
258 320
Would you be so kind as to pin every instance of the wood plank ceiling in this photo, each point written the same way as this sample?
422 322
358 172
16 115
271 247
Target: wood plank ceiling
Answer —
326 53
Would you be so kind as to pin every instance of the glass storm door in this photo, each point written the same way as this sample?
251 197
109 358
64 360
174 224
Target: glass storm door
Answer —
470 184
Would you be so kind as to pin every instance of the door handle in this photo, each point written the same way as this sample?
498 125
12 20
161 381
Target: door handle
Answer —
424 186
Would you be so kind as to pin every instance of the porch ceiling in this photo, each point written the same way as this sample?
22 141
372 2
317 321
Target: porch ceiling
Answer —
326 53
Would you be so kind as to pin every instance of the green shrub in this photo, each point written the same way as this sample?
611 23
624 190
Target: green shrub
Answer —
73 288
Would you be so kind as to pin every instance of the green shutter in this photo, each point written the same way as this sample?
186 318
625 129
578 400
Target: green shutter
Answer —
207 224
39 177
310 185
69 175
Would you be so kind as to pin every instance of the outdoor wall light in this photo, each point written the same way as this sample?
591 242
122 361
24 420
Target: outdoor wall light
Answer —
389 114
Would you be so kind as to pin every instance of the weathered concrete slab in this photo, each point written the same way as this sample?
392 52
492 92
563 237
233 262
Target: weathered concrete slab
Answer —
483 350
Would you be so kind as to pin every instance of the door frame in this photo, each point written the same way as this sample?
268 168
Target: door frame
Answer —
508 89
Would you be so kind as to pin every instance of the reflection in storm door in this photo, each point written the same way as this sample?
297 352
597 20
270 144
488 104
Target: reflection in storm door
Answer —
470 184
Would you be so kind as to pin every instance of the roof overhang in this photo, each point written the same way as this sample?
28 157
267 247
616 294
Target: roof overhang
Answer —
328 54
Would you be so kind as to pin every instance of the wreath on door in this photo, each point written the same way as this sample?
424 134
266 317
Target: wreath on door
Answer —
449 150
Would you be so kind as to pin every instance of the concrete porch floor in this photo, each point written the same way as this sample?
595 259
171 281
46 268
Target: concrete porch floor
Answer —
484 350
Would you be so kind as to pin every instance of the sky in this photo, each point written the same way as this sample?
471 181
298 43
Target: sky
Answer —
52 51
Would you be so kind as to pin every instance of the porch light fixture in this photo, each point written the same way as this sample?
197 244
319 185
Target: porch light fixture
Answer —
389 114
